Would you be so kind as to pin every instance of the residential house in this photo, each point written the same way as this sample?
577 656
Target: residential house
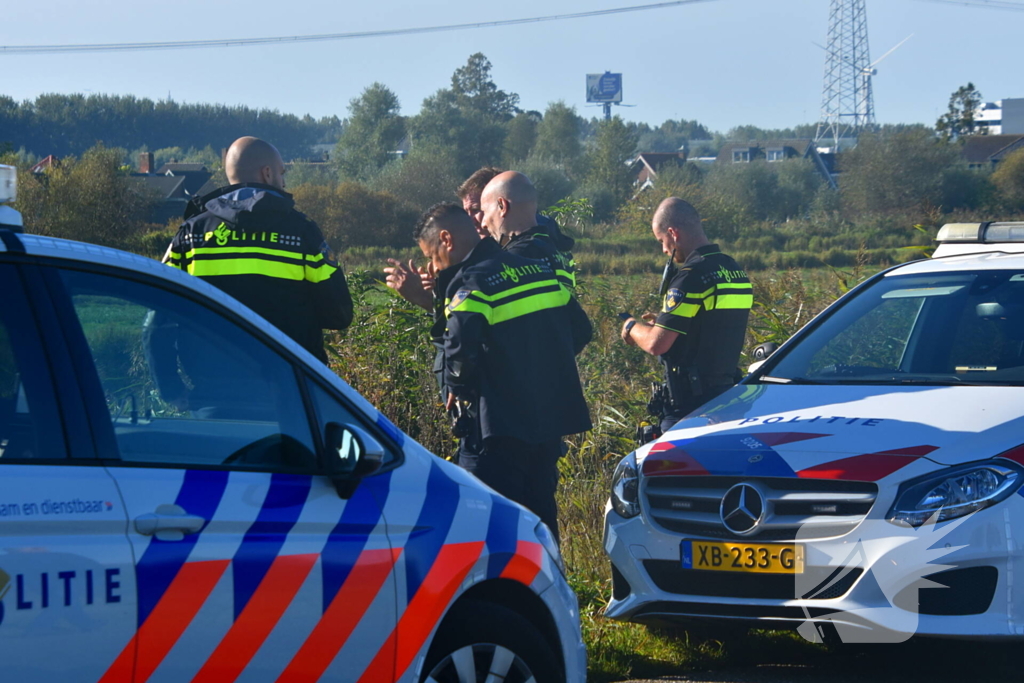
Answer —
647 165
44 165
774 151
984 152
175 184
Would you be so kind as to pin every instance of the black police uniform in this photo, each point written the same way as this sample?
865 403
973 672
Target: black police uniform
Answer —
249 241
707 302
509 351
547 243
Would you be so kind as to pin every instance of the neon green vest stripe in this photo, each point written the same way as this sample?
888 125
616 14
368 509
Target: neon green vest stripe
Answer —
514 309
247 266
515 290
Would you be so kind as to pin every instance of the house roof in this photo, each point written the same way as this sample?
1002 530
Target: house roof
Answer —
176 168
978 149
648 164
206 189
49 162
799 146
166 186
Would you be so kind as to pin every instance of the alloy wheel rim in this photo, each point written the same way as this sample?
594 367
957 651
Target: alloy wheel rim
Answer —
481 663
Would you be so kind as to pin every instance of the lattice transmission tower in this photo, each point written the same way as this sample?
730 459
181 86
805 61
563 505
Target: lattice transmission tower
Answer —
847 105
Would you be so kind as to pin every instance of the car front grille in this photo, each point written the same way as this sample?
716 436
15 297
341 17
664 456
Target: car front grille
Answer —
804 508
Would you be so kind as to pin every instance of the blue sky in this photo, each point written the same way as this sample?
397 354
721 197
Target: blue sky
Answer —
723 62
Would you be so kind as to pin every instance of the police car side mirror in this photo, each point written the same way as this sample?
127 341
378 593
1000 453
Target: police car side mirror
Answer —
350 454
762 351
760 355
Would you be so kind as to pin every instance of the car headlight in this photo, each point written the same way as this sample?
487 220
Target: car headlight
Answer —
955 492
626 488
543 534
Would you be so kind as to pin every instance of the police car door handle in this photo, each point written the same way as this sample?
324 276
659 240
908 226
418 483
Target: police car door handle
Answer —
168 523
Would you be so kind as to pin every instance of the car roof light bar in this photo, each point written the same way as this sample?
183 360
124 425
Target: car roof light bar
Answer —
980 233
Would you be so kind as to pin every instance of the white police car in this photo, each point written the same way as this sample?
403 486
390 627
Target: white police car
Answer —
864 481
276 528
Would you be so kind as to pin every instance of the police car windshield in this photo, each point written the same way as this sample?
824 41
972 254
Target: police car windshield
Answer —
943 328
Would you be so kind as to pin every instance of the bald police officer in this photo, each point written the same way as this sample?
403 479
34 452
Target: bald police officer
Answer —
699 333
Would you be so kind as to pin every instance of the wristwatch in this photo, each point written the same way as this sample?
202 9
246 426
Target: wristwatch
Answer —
629 326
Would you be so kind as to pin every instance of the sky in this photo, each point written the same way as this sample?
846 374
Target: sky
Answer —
722 62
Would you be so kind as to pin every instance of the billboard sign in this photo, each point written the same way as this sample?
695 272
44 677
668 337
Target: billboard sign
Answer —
606 87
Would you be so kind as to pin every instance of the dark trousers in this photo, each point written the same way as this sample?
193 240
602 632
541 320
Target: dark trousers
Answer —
525 473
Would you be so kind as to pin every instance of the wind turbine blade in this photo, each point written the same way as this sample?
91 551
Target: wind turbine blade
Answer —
874 63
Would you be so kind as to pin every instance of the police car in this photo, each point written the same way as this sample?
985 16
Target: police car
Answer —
277 529
862 483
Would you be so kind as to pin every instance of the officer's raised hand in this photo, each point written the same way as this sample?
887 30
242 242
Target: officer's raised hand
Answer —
412 284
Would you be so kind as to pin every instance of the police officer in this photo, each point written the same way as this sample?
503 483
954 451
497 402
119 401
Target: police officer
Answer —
508 211
510 342
699 333
248 240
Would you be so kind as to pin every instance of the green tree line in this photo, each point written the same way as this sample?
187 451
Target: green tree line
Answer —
65 125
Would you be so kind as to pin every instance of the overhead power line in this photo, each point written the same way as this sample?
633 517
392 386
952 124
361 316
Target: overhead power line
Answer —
242 42
322 37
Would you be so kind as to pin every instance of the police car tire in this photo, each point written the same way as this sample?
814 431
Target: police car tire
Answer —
482 626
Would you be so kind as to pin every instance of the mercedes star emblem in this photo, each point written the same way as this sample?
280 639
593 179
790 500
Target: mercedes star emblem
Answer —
742 509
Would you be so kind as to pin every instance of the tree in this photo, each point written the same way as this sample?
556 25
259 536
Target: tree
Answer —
427 175
551 180
897 172
92 199
469 118
1009 179
475 91
66 125
959 120
609 182
371 133
351 215
558 134
521 137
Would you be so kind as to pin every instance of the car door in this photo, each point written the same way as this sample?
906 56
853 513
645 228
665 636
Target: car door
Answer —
241 545
67 601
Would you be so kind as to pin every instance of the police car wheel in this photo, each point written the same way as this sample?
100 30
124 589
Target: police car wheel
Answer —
480 642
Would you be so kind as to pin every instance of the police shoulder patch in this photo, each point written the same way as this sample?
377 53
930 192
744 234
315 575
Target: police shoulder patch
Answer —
459 297
673 298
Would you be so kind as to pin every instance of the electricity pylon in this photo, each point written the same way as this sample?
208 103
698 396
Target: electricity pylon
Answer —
847 105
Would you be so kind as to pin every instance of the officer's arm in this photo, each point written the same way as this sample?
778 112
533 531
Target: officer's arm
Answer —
582 330
334 301
175 254
463 343
651 338
331 296
682 302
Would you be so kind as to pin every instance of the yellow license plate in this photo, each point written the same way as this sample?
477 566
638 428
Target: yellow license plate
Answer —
752 558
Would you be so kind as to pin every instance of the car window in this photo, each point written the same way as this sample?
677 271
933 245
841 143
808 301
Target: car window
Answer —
186 386
945 328
876 340
30 426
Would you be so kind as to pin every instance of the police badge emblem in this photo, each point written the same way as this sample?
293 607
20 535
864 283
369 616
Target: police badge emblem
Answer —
459 297
673 298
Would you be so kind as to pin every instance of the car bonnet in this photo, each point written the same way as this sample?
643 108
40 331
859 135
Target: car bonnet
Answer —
862 433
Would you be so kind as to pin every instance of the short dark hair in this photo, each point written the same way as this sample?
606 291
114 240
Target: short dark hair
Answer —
677 213
442 212
476 183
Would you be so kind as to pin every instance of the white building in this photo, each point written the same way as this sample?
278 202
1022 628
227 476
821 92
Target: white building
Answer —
1002 117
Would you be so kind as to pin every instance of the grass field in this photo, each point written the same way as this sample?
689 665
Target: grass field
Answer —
386 355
